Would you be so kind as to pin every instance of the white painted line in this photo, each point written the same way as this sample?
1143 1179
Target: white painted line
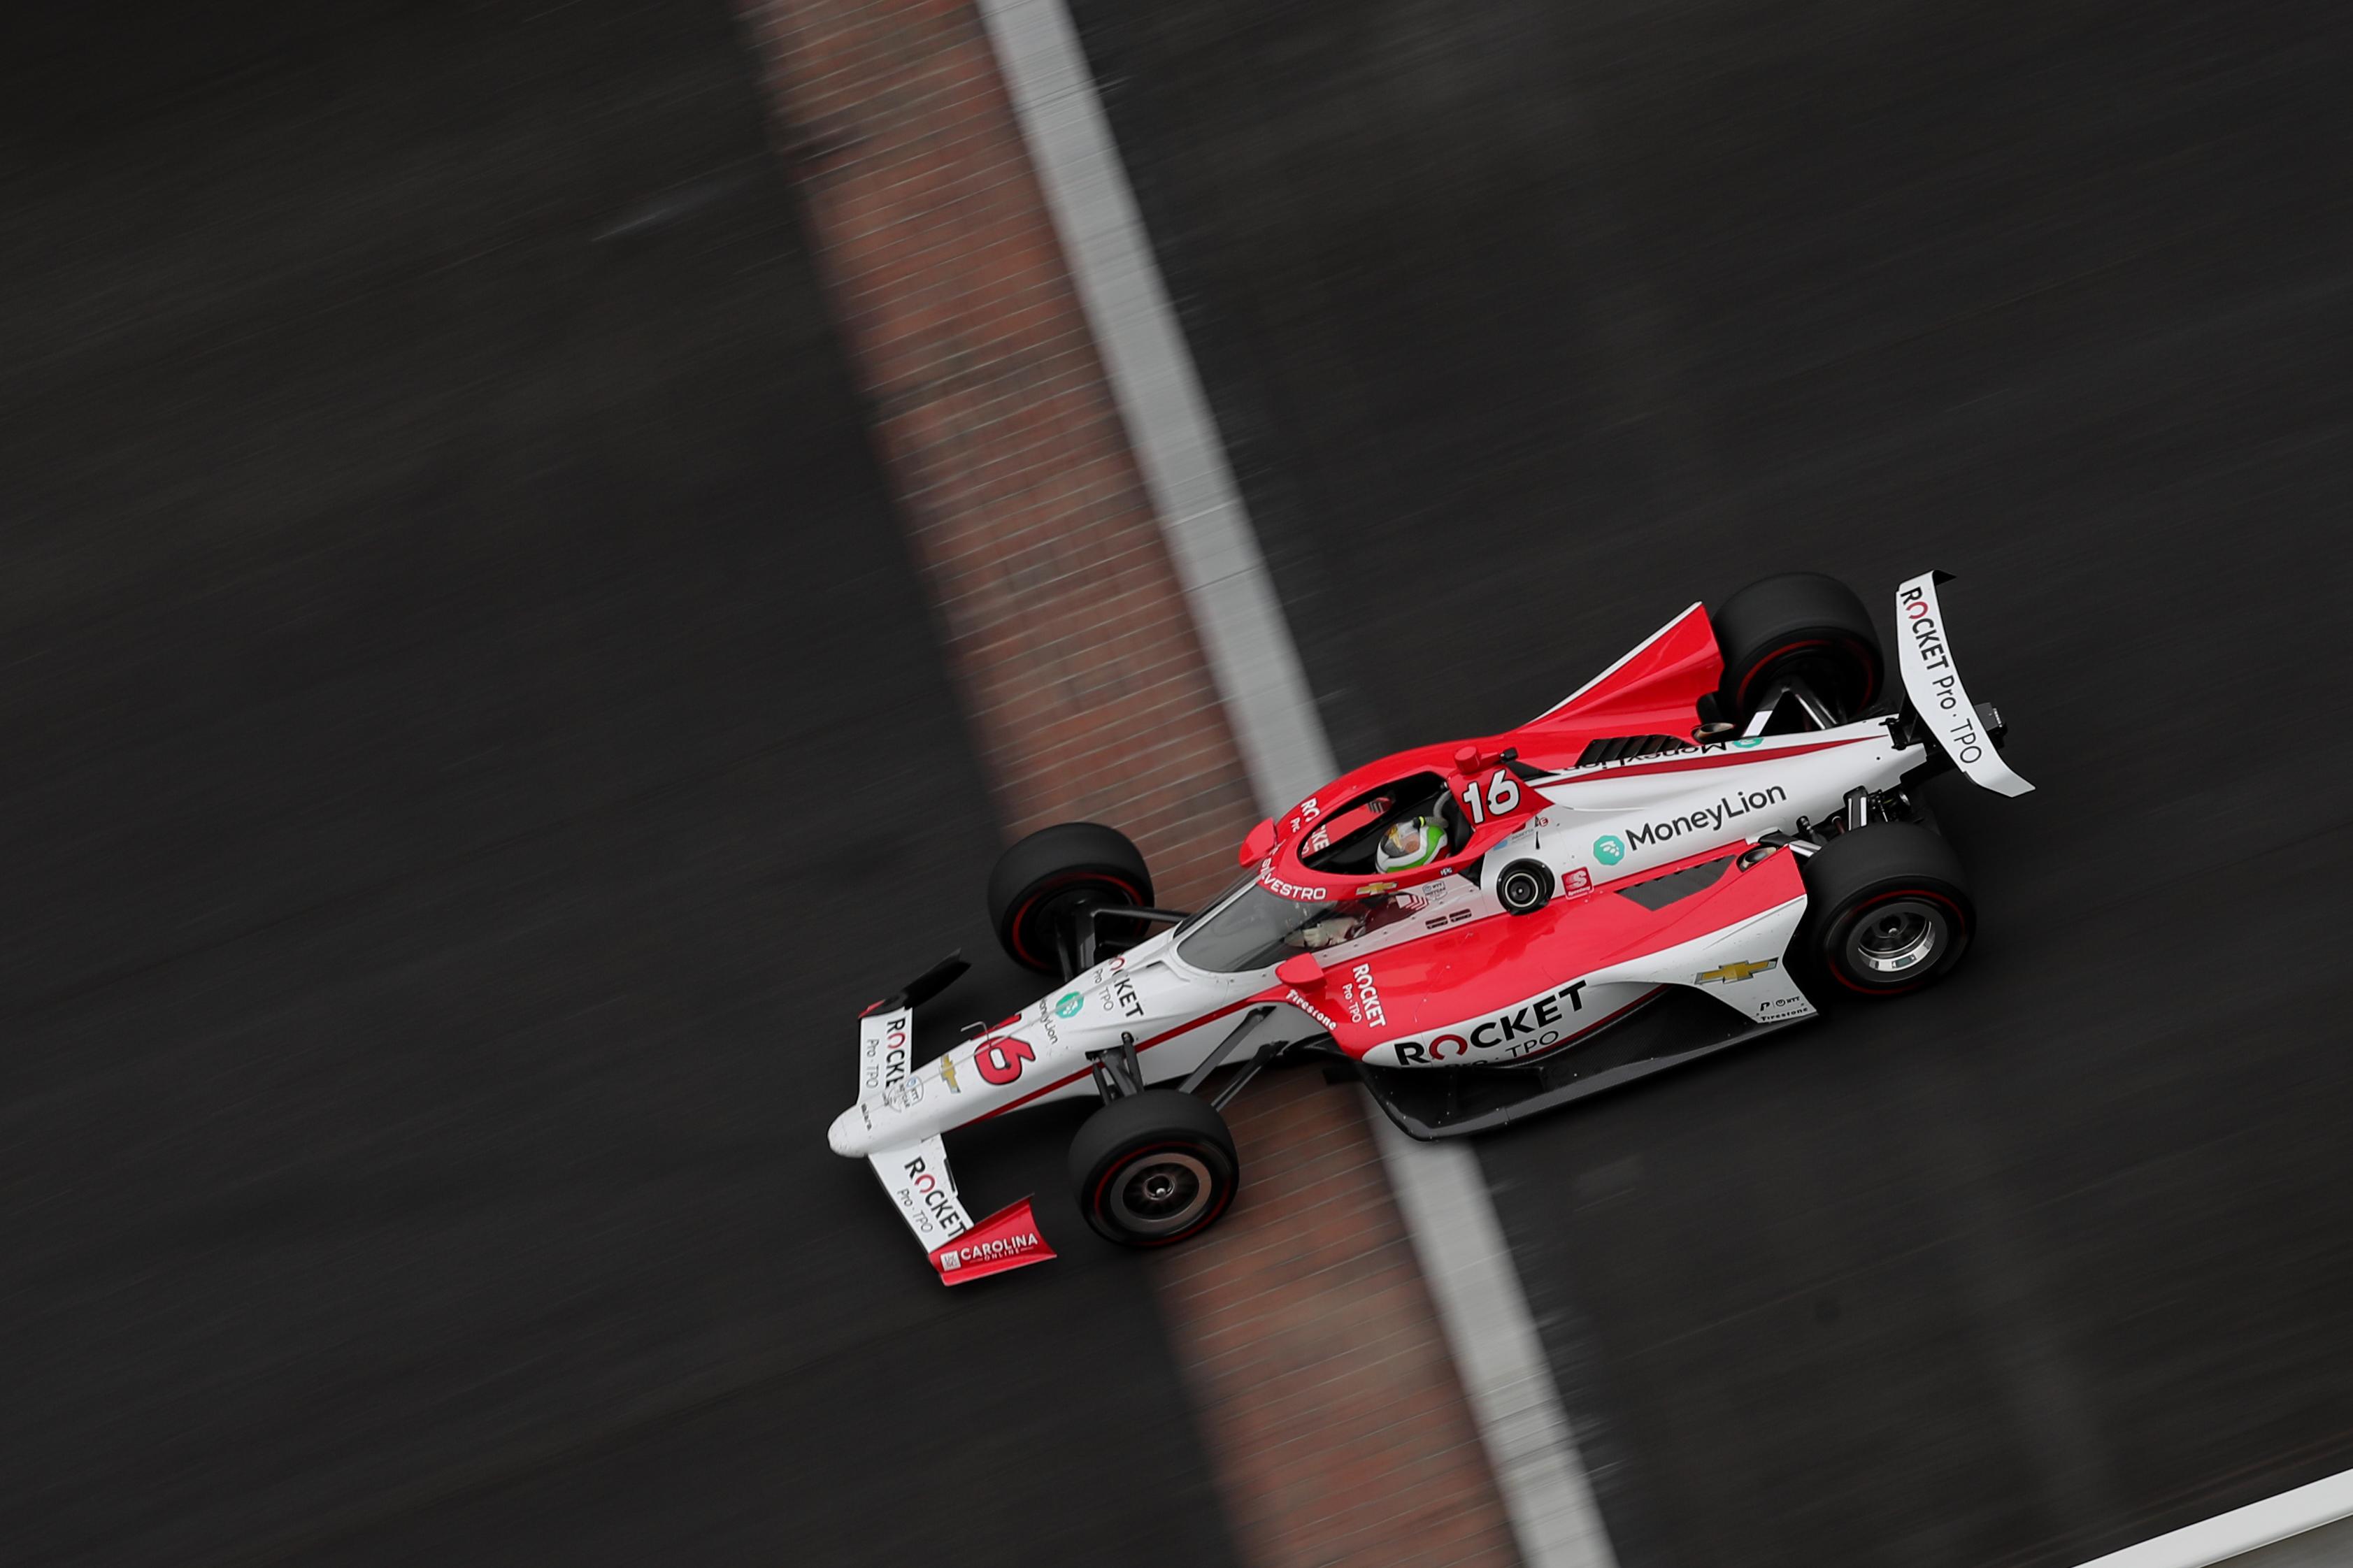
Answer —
1451 1218
2242 1529
1217 557
1440 1191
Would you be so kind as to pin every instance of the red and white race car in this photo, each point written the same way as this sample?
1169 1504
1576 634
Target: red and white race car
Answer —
1706 840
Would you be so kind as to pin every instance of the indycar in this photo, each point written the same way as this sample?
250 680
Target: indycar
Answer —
1703 845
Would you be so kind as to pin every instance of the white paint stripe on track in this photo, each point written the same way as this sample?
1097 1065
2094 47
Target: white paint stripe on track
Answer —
1441 1192
2242 1529
1217 557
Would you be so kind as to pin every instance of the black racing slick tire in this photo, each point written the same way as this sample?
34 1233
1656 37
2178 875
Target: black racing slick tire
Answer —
1888 910
1152 1168
1041 888
1801 625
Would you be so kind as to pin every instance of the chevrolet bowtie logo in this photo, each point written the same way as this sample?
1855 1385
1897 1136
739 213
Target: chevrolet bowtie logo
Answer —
1732 973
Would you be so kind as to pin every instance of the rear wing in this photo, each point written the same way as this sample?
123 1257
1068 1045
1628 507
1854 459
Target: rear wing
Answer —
1932 685
917 1174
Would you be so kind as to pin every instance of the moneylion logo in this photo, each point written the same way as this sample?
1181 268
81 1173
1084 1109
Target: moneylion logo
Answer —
1731 974
1068 1007
1610 849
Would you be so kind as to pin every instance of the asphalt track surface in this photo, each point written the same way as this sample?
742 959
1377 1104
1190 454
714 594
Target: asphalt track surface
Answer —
474 740
1526 325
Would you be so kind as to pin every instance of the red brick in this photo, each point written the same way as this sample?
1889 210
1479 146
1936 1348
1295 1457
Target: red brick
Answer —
1329 1405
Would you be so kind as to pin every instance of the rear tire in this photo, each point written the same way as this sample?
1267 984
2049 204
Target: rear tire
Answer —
1041 888
1801 624
1888 910
1153 1168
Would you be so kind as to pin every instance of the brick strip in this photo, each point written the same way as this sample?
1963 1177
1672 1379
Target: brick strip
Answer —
1325 1392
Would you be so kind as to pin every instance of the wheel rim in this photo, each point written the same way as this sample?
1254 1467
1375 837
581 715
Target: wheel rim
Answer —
1162 1193
1519 890
1897 939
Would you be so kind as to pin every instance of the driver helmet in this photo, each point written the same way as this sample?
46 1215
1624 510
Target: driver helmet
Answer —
1409 842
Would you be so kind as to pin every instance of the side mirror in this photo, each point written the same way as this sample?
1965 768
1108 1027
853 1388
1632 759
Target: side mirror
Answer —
1259 844
1300 970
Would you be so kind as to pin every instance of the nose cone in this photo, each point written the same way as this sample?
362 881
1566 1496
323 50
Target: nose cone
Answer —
850 1134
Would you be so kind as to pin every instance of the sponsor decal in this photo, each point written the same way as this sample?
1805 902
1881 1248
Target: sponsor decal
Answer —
1793 1005
1312 1011
1121 994
1068 1007
1577 880
885 1074
1734 973
1699 819
1522 1031
926 1196
1000 1060
1370 997
1935 688
904 1094
1370 889
947 1072
1005 1239
1291 890
1678 754
1610 849
995 1249
1958 723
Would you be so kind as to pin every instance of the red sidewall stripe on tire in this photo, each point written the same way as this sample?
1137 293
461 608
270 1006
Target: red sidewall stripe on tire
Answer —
1961 925
1224 1194
1870 670
1013 927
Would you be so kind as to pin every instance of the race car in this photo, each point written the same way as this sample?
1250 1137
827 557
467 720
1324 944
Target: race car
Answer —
1703 844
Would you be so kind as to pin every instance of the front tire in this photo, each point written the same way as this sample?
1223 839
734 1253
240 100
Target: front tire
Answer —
1041 889
1153 1168
1800 626
1889 910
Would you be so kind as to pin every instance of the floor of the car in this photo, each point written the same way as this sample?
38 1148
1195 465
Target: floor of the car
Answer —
1674 1026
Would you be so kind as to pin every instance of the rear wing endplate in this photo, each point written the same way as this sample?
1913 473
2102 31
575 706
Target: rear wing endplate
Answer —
1924 651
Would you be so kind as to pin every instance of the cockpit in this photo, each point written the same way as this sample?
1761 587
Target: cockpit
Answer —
1253 926
1348 842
